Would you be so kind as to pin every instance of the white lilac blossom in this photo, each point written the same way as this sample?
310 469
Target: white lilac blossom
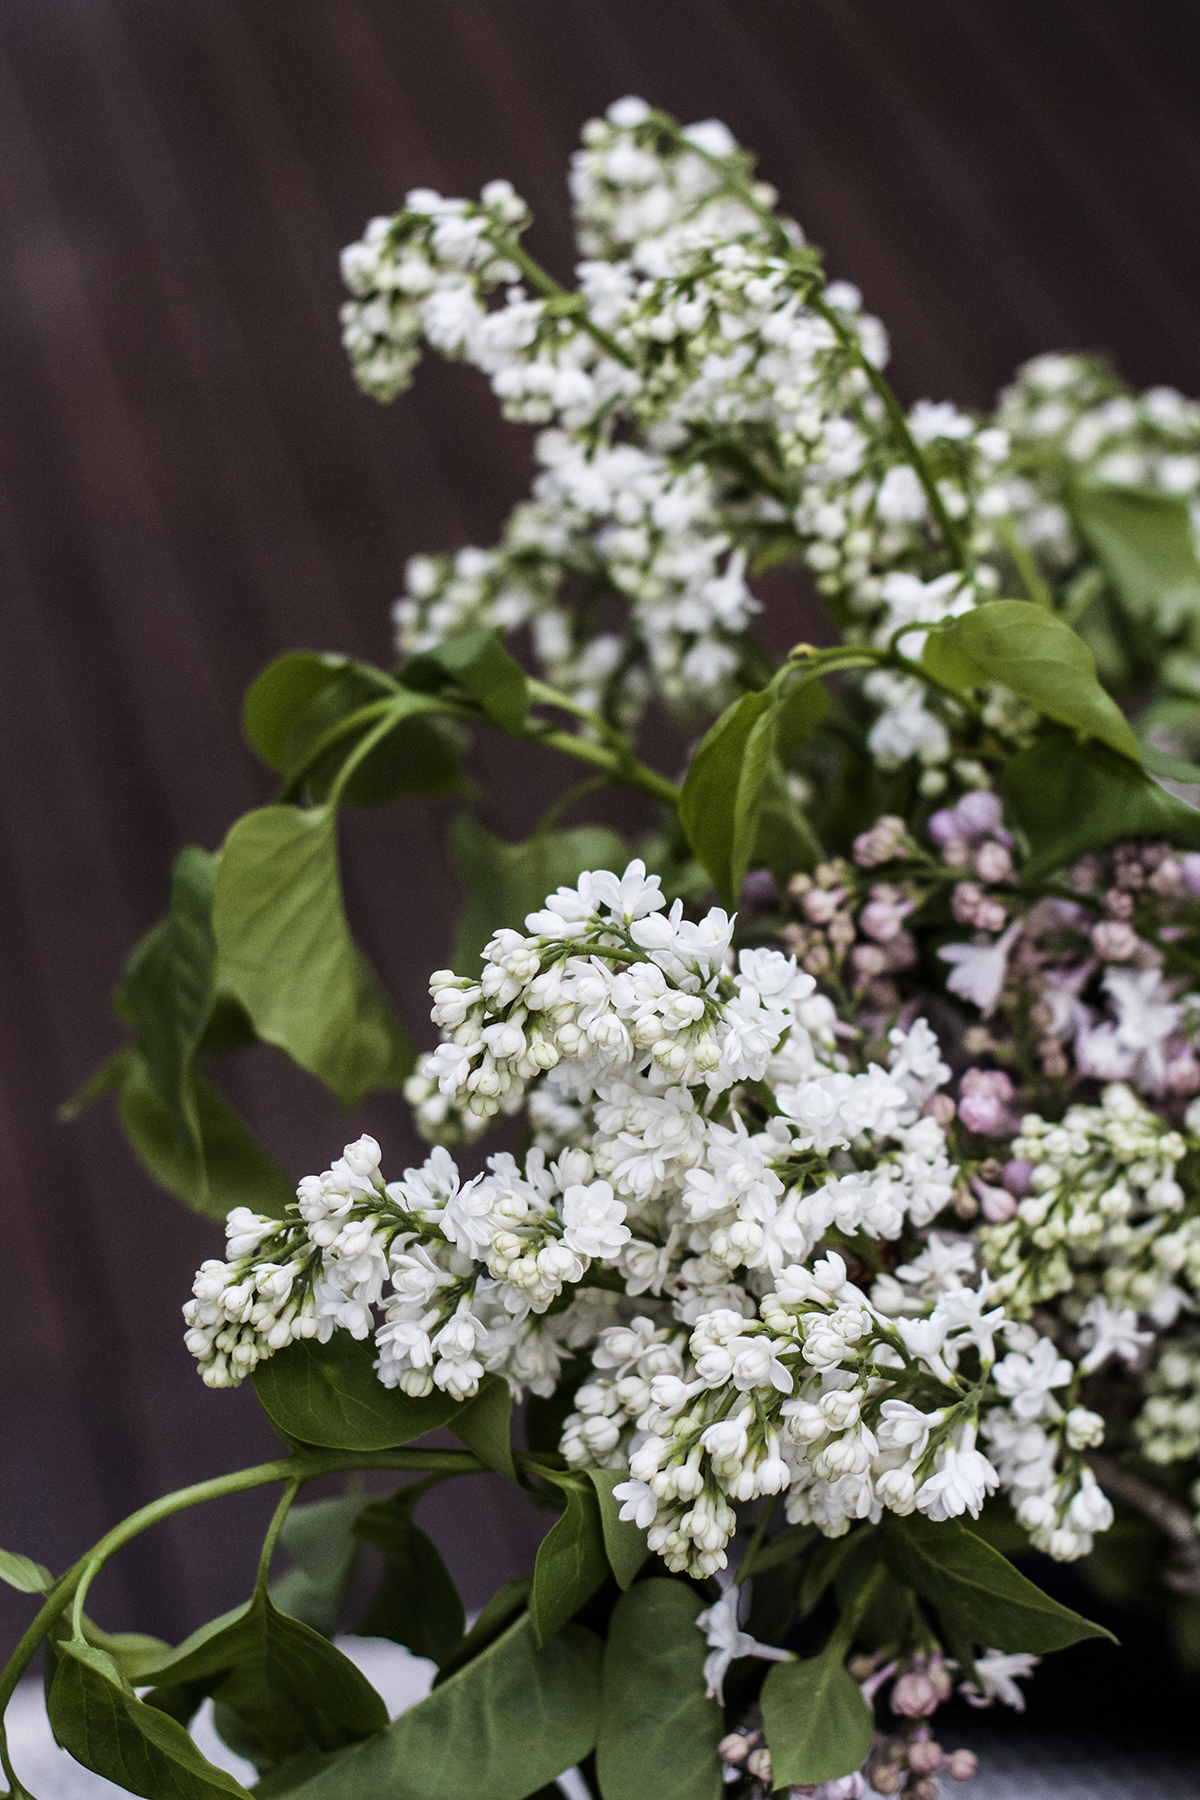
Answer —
727 1641
718 1140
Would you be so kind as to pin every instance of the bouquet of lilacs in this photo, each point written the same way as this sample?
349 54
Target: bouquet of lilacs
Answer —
850 1243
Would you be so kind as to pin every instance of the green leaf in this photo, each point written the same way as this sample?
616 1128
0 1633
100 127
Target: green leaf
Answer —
720 794
658 1730
417 1603
571 1562
500 1728
505 1605
329 1395
22 1573
100 1720
236 1170
168 991
281 698
1170 768
485 1425
305 714
1066 798
478 663
977 1591
287 1684
506 881
736 808
1038 657
286 953
818 1725
320 1540
624 1542
1145 543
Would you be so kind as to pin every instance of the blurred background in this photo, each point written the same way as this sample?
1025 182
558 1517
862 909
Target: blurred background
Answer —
190 484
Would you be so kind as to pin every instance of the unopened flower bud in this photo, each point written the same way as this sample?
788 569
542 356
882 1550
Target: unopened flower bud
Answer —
733 1749
960 1765
925 1756
759 1764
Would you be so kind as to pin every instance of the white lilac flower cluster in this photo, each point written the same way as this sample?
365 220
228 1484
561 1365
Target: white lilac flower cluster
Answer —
710 399
701 369
720 1147
1069 418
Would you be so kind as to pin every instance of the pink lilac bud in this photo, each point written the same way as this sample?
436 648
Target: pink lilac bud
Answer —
820 904
943 828
902 951
978 814
1114 941
982 1097
992 862
1085 874
940 1107
882 919
926 1789
991 916
733 1749
1190 870
1016 1176
1118 904
924 1756
916 1695
887 1780
965 901
1183 1074
995 1203
869 961
885 840
961 1765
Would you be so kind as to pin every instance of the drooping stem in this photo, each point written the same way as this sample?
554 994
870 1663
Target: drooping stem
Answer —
575 306
295 1469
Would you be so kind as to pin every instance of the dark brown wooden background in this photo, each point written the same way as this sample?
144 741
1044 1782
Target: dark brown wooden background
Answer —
190 484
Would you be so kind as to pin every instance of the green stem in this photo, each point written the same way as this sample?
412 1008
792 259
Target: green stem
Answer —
755 1544
546 284
557 808
1022 560
344 728
843 1634
278 1519
738 183
297 1469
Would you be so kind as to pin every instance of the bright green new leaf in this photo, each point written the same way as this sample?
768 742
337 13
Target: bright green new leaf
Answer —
977 1591
484 1425
624 1542
1038 657
498 1729
818 1725
478 663
22 1573
720 795
236 1170
658 1730
329 1395
286 953
1145 543
1067 798
99 1719
571 1560
417 1603
736 808
506 881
